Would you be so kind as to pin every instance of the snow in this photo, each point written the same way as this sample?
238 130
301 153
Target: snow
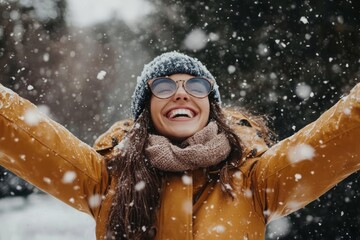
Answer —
263 49
94 200
248 193
42 217
196 40
8 95
214 37
69 177
336 68
44 109
340 19
121 145
218 229
14 15
303 91
101 75
187 180
280 227
304 20
237 175
47 180
43 9
282 45
298 176
294 205
273 76
231 69
140 186
46 57
347 111
300 152
32 117
88 12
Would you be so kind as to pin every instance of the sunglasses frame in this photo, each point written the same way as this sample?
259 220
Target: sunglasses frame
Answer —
212 83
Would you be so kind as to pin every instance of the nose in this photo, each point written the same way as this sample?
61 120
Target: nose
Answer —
180 93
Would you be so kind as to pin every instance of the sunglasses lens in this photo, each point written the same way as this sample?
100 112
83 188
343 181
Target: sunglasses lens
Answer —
198 87
163 87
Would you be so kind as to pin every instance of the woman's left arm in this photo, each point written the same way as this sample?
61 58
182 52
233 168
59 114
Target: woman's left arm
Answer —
301 168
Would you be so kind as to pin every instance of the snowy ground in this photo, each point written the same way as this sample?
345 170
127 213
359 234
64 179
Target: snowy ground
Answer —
42 217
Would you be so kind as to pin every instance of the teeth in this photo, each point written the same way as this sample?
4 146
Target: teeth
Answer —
181 111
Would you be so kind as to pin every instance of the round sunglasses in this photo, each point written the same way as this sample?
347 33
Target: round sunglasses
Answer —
165 87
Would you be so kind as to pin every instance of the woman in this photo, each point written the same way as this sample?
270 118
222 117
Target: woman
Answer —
182 170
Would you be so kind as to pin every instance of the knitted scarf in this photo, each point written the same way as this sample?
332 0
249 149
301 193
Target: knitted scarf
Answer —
205 148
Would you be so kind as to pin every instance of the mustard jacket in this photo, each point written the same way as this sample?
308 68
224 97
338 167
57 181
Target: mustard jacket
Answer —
274 183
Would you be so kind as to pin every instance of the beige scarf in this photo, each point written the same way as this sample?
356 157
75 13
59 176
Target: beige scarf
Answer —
205 148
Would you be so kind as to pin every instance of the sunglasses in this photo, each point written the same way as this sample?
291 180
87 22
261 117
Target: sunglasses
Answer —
165 87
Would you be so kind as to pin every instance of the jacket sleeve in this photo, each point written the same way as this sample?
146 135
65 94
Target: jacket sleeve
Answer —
301 168
44 153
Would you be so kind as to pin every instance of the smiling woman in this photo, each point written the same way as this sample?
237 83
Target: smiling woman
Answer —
183 167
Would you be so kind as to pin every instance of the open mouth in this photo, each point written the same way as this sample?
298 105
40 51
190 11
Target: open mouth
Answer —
180 112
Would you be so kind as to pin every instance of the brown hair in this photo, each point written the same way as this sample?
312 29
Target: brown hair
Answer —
133 211
132 215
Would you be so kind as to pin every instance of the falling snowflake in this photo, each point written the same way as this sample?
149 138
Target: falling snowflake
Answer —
69 177
187 180
140 186
297 177
47 180
218 228
101 75
94 200
32 117
196 40
279 228
303 90
300 152
231 69
304 20
46 57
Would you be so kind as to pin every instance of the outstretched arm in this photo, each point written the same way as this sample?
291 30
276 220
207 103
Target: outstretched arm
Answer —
301 168
44 153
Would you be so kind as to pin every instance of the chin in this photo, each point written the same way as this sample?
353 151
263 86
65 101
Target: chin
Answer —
180 134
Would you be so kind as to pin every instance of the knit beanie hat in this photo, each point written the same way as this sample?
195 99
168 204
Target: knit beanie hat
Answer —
165 65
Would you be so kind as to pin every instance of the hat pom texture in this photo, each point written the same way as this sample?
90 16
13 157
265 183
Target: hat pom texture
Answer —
163 65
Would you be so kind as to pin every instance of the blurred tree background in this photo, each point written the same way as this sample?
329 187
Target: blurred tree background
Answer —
290 60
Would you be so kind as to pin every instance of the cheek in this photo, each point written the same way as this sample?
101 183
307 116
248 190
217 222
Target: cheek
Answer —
205 109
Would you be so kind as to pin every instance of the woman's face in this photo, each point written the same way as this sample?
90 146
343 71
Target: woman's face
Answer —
181 115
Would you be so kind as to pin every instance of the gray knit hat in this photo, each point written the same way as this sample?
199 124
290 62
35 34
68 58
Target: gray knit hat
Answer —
165 65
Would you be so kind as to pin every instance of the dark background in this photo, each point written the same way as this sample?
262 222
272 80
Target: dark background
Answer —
289 60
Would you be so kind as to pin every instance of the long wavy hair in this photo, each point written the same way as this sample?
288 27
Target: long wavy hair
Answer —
137 193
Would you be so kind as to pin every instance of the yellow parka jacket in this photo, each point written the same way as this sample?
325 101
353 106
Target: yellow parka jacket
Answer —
273 183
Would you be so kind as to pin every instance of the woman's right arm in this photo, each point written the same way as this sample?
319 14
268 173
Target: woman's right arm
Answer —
44 153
